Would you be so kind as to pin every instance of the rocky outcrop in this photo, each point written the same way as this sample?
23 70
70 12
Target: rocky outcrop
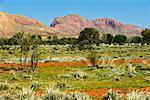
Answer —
73 24
10 24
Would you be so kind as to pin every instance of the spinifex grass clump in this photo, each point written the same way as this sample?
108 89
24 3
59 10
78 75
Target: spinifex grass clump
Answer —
4 86
78 96
111 95
55 94
135 95
80 74
61 86
35 86
24 94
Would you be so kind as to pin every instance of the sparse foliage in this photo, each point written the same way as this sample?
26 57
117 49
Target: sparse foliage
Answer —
121 39
93 58
136 39
88 37
107 38
146 35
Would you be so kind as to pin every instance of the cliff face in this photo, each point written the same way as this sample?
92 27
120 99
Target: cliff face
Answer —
73 24
10 24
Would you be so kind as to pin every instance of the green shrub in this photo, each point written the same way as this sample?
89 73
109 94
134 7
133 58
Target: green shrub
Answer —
35 86
67 76
78 96
80 74
4 86
58 95
137 96
53 95
24 94
61 86
111 96
27 77
93 58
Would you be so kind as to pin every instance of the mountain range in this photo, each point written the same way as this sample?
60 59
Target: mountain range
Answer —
69 25
10 24
73 24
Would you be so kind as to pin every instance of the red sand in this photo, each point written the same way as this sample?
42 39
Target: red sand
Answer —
96 93
76 64
99 93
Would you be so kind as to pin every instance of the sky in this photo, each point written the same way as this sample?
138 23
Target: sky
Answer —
135 12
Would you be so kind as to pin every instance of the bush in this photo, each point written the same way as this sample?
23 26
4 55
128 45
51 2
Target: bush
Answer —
136 39
6 98
93 58
27 77
75 75
35 86
54 95
107 38
80 74
4 86
88 37
111 95
146 35
137 96
121 39
67 76
78 96
25 94
14 77
58 95
61 86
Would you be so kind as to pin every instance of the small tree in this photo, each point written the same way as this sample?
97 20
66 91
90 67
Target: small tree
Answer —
85 45
26 42
1 41
93 58
90 36
34 60
136 39
121 39
17 39
36 41
107 38
25 47
54 40
146 35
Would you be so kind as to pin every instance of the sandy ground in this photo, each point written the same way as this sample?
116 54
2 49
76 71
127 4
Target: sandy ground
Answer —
98 94
76 64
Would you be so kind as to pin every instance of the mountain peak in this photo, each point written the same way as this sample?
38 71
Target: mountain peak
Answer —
74 15
73 24
70 24
108 22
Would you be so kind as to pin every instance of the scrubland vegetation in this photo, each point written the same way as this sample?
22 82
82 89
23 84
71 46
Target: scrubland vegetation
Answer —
86 68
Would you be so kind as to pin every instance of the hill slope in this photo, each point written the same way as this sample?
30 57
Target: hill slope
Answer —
73 24
10 24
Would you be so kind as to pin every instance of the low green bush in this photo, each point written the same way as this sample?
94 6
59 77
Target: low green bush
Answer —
4 86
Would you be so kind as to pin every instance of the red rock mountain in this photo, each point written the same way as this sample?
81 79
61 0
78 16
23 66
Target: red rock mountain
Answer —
10 24
73 24
69 25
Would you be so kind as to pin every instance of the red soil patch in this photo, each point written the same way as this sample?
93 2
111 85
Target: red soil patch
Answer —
76 64
98 94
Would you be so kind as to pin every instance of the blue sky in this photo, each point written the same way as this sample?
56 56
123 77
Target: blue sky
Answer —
127 11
